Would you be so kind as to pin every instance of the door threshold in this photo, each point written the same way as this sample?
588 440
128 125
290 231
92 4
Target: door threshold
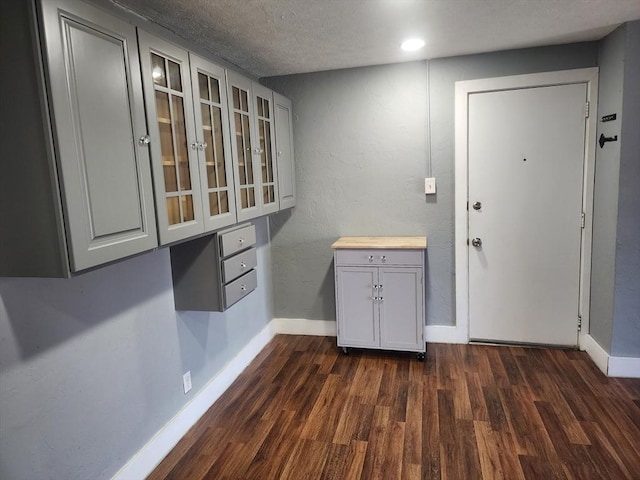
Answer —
499 343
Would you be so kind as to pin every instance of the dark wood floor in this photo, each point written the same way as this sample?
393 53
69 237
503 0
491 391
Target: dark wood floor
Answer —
303 410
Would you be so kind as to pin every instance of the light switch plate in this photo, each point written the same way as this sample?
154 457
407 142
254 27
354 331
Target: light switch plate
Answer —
429 186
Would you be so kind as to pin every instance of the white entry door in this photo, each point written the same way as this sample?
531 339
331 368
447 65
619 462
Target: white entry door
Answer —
525 180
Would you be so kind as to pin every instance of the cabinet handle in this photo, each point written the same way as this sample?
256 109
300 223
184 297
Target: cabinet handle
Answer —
383 258
375 287
194 145
380 287
144 140
202 146
370 258
381 299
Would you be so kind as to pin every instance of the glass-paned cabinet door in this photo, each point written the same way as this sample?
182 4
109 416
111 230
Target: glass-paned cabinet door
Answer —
264 122
213 143
240 118
167 89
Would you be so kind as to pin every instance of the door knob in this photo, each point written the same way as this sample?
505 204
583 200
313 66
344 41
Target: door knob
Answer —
477 205
476 242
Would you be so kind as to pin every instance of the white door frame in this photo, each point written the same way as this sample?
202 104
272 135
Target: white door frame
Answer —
463 90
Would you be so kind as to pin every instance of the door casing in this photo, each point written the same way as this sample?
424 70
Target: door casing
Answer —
463 89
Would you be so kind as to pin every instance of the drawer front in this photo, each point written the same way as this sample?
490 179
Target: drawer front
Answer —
240 288
236 240
238 265
378 257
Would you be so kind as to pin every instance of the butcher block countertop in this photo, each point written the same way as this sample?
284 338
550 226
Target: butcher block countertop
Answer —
381 242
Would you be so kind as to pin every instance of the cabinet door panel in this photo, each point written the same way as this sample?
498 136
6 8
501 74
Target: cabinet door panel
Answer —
98 113
357 311
214 150
167 89
284 151
401 308
267 168
240 117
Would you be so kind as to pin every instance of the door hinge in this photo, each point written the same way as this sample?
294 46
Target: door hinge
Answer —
582 220
586 110
467 205
579 323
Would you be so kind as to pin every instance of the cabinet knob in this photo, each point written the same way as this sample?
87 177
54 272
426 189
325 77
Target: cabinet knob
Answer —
370 258
243 266
279 153
243 288
194 145
383 258
202 146
241 240
381 299
144 140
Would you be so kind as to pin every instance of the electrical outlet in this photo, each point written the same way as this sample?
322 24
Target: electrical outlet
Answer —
186 382
429 186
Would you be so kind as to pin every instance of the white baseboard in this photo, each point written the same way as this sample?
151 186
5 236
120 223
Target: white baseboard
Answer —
143 462
598 354
624 367
611 366
303 326
445 334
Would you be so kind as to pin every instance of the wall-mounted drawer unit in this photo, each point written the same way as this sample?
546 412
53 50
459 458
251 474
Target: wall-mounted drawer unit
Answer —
212 273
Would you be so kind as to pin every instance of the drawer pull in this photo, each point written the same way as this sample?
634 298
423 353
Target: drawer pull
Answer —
243 266
370 258
243 288
383 258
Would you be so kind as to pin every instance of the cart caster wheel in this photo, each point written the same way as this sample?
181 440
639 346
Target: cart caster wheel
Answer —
420 356
346 350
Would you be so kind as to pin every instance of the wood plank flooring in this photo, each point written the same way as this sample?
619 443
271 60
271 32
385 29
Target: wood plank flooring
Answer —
304 410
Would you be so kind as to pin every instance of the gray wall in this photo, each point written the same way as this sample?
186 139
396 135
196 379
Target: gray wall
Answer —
626 308
605 194
91 367
615 285
361 153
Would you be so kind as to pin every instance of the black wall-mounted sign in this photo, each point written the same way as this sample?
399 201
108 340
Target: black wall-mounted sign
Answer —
609 118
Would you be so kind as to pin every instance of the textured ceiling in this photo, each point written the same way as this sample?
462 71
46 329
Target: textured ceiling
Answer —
279 37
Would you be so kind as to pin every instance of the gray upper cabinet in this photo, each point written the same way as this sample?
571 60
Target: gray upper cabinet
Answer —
213 143
82 114
172 138
284 151
189 140
251 117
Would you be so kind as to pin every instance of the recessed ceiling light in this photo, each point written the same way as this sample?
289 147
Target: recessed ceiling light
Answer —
412 44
